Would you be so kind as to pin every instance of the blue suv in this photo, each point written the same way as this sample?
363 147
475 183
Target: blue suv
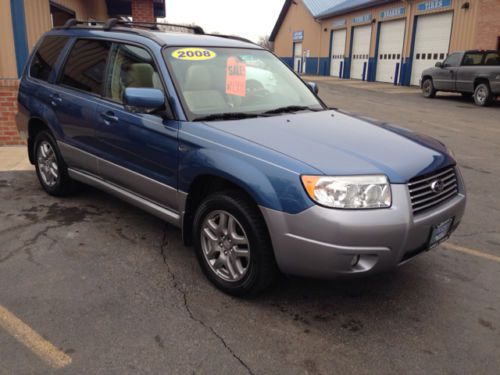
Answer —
217 136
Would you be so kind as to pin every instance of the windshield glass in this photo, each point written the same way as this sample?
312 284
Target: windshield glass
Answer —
216 81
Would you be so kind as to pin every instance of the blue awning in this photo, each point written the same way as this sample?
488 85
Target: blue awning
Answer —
124 8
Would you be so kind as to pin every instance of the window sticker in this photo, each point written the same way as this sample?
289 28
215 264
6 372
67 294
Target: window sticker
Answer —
193 54
236 77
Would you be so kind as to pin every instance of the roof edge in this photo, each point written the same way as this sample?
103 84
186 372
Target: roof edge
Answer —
280 20
372 4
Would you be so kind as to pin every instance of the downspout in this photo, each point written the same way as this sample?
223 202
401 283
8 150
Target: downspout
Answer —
319 49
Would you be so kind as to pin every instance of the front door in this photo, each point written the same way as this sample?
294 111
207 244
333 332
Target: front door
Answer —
444 78
137 151
297 58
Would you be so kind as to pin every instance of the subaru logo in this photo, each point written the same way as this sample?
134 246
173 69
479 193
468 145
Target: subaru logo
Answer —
437 186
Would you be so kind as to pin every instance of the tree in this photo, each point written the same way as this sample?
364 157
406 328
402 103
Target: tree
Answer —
265 42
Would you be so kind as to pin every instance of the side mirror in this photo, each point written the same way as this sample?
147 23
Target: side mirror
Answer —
439 64
143 100
313 86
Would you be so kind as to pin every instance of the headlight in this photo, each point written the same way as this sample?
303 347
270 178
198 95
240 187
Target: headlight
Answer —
349 192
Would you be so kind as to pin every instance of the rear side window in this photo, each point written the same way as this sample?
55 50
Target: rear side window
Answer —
492 58
85 66
471 59
46 56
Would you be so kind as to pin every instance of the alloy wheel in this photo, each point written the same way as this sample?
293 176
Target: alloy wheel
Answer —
47 163
225 246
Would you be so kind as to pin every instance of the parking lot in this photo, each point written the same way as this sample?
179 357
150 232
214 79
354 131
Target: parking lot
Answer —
90 284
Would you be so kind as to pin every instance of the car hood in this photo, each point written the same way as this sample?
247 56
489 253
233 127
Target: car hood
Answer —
339 144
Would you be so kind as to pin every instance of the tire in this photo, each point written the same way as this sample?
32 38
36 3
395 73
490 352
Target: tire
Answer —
51 170
428 90
482 95
241 264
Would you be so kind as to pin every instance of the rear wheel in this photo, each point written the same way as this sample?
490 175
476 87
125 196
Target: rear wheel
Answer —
482 95
428 89
50 167
232 244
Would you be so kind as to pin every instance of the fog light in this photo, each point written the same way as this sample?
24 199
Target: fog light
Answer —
355 260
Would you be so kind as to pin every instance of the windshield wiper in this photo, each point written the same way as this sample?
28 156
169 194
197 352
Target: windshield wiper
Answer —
291 108
227 116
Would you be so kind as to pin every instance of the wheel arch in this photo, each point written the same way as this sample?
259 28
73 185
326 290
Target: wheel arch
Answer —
35 126
201 187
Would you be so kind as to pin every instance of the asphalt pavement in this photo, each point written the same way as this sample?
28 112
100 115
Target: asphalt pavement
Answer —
100 287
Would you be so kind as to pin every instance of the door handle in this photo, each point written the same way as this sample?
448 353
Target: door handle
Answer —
55 99
109 117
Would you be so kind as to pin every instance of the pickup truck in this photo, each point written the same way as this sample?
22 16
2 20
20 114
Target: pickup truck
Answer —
471 73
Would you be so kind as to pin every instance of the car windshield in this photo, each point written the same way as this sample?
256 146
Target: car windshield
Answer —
235 83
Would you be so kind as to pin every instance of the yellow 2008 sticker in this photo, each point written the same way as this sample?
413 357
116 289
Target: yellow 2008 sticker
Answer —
193 54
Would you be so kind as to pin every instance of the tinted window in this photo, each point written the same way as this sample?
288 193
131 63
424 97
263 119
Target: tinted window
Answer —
472 59
46 56
453 60
85 66
130 66
492 58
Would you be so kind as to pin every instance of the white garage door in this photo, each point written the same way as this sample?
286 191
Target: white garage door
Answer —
432 42
390 49
338 50
360 51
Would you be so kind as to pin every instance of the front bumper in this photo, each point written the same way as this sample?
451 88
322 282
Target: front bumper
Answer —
322 242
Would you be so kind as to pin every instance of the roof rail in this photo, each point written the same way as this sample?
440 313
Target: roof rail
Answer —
114 22
127 26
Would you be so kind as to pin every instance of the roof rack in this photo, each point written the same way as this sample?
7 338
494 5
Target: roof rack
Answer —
115 24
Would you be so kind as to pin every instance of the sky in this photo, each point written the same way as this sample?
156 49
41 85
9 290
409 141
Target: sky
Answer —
247 18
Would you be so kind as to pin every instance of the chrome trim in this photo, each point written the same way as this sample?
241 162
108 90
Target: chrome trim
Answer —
147 205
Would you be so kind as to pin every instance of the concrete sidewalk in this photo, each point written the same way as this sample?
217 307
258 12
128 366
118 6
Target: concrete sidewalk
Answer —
14 158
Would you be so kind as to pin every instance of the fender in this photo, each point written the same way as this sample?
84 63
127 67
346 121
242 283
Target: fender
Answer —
270 185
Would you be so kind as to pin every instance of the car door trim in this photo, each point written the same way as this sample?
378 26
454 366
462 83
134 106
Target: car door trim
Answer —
139 185
136 200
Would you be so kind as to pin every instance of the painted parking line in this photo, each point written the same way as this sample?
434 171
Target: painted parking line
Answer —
32 340
474 252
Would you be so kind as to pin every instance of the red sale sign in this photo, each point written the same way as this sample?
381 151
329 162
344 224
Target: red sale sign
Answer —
236 77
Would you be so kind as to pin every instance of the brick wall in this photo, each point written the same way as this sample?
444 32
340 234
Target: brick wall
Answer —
143 11
8 109
488 25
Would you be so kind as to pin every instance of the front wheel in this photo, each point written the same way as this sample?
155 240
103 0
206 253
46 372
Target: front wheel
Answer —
428 89
482 95
232 244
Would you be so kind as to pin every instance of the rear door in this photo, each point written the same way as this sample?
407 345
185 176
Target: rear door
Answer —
137 151
79 87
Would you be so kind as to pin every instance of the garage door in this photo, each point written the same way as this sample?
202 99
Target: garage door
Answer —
432 41
390 49
360 51
338 50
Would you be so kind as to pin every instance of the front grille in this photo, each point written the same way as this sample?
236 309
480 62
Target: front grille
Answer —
423 197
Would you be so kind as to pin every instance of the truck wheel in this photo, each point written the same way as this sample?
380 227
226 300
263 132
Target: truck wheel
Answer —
232 244
50 167
482 95
428 89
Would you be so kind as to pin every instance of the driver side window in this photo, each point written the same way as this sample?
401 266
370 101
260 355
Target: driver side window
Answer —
130 66
453 60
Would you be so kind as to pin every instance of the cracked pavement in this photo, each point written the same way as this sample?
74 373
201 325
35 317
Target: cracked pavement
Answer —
115 289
